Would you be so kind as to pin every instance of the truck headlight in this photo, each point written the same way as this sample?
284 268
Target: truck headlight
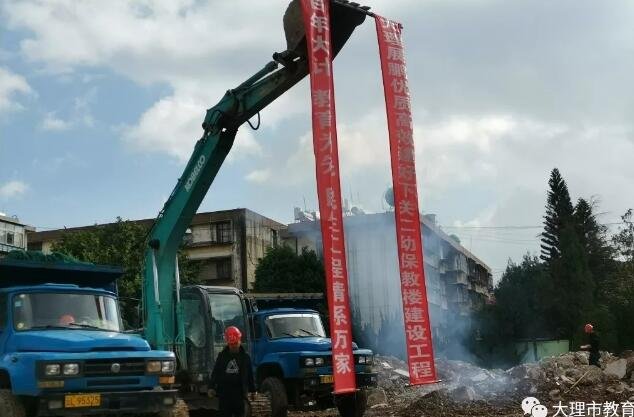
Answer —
153 367
167 367
319 361
309 362
52 369
361 359
70 369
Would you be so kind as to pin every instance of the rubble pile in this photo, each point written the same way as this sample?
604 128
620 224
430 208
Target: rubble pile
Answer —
468 390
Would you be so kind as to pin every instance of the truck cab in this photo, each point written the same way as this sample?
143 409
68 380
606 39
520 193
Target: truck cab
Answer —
290 352
63 350
292 358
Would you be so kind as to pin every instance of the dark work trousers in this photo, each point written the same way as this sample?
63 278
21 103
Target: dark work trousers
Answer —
231 405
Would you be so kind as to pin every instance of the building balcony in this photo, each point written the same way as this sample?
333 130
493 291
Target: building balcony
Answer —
457 278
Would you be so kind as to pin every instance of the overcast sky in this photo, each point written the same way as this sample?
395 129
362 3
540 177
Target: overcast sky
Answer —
101 103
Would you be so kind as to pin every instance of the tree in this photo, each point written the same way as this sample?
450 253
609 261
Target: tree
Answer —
282 270
624 240
520 299
573 285
559 213
571 290
519 313
594 241
621 289
121 243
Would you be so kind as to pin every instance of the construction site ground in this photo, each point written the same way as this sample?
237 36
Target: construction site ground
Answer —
466 390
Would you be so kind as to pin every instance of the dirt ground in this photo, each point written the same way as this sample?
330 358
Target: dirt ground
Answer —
468 391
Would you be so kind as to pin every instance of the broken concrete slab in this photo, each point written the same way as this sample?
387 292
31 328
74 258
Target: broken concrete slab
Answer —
617 368
402 373
481 377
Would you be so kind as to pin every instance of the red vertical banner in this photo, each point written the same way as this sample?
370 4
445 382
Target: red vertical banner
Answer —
420 352
317 24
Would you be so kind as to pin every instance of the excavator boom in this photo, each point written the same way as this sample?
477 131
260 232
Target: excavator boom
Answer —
164 325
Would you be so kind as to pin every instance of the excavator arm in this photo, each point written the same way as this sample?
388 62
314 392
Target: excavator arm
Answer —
164 325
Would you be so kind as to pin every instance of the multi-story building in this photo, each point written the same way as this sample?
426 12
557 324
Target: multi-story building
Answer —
457 281
227 244
13 234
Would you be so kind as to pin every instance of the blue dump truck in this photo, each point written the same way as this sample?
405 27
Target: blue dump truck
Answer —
63 350
293 363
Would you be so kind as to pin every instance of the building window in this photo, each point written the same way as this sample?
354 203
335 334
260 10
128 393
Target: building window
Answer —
10 238
223 269
223 232
274 238
35 246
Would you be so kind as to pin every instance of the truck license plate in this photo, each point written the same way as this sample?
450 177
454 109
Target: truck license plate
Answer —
327 379
82 400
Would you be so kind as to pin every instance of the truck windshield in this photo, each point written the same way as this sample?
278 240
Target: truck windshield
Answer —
42 311
295 325
226 310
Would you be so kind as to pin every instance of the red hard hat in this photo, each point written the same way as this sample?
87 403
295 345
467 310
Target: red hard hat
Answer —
233 335
588 328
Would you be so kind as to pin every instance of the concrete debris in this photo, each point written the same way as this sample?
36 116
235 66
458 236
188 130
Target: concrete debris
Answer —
555 395
617 368
470 390
402 373
630 366
463 394
593 375
377 397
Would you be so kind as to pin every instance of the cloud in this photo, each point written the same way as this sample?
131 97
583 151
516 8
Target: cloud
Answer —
173 125
169 126
11 84
258 176
55 124
78 115
13 189
154 40
503 92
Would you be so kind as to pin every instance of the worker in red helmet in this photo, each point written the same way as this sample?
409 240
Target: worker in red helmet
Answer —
593 345
232 377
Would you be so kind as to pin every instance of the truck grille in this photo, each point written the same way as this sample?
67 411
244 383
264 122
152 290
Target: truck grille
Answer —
127 367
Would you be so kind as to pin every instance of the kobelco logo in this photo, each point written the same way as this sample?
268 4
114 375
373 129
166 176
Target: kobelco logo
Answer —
115 368
195 172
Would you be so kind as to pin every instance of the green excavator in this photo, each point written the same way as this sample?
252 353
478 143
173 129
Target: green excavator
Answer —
166 306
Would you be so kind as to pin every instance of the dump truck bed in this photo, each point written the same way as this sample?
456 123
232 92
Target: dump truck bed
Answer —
19 272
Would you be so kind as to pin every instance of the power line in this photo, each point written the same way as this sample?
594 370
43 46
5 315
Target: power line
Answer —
517 227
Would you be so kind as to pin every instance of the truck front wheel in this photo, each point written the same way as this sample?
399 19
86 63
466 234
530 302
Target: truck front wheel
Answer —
352 405
10 405
274 389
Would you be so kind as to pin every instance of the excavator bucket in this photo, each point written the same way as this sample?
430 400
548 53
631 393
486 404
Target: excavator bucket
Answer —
344 18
